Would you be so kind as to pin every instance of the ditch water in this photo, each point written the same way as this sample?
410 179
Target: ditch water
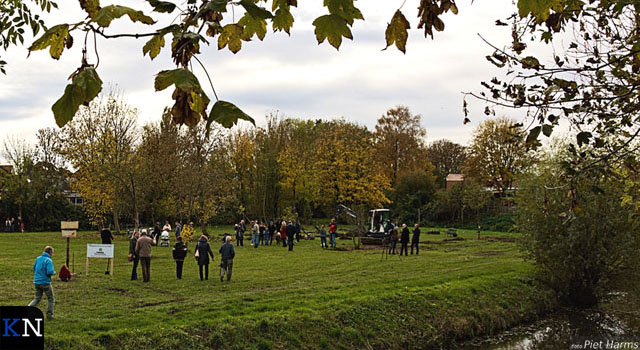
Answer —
611 327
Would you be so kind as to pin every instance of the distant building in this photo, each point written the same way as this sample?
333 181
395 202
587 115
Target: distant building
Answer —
453 179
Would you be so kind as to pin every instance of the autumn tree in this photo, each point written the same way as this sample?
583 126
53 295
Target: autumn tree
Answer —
99 144
346 168
400 143
447 158
159 159
497 154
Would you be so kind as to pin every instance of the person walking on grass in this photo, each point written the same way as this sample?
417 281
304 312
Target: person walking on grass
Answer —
298 230
404 240
333 230
133 255
42 272
178 229
291 232
255 233
323 237
107 238
143 250
415 240
227 253
203 251
179 253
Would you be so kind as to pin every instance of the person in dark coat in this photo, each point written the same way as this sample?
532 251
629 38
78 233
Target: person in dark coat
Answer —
204 251
261 231
156 232
134 256
107 238
240 229
291 232
393 240
404 240
227 253
272 232
179 253
415 240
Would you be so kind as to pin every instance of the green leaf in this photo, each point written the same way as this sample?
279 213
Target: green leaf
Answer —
215 5
344 9
255 10
532 138
162 6
83 88
182 78
153 46
547 129
583 137
397 31
283 20
231 35
252 26
54 38
539 9
226 114
333 28
108 13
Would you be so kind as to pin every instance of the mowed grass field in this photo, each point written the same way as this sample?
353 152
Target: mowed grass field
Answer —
309 298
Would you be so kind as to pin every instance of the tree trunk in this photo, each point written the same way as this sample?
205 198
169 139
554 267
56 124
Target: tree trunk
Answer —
116 222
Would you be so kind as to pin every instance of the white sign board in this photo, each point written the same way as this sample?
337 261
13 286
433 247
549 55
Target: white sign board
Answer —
99 251
68 233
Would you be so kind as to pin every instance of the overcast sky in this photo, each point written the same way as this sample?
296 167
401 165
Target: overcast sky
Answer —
289 74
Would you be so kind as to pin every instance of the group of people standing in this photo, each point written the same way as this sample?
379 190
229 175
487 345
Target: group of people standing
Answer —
13 225
140 245
261 234
404 239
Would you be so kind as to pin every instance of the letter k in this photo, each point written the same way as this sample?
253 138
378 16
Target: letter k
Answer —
7 327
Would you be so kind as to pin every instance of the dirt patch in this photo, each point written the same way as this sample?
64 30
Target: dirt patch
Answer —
498 239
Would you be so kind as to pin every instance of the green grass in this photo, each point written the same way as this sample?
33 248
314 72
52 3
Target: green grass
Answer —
308 298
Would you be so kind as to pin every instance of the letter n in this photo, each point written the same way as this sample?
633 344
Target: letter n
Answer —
37 333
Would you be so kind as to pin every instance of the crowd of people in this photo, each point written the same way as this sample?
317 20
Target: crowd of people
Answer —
142 241
14 225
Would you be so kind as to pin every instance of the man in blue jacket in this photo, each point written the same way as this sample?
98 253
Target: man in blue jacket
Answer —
42 272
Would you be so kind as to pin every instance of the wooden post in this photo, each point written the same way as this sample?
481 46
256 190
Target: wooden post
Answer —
73 263
112 266
67 252
87 270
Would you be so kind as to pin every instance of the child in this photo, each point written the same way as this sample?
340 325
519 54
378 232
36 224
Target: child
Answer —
323 237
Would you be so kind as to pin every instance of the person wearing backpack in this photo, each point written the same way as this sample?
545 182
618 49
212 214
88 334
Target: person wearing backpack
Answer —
179 253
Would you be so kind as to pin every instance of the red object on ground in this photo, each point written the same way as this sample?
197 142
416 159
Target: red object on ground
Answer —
64 274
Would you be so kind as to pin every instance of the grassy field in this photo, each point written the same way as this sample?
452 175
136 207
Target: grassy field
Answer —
309 298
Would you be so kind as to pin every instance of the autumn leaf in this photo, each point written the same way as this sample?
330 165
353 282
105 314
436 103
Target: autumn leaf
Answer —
231 36
283 20
540 9
255 10
182 78
107 14
344 9
153 46
227 114
397 31
162 6
252 26
333 28
90 6
54 38
83 88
